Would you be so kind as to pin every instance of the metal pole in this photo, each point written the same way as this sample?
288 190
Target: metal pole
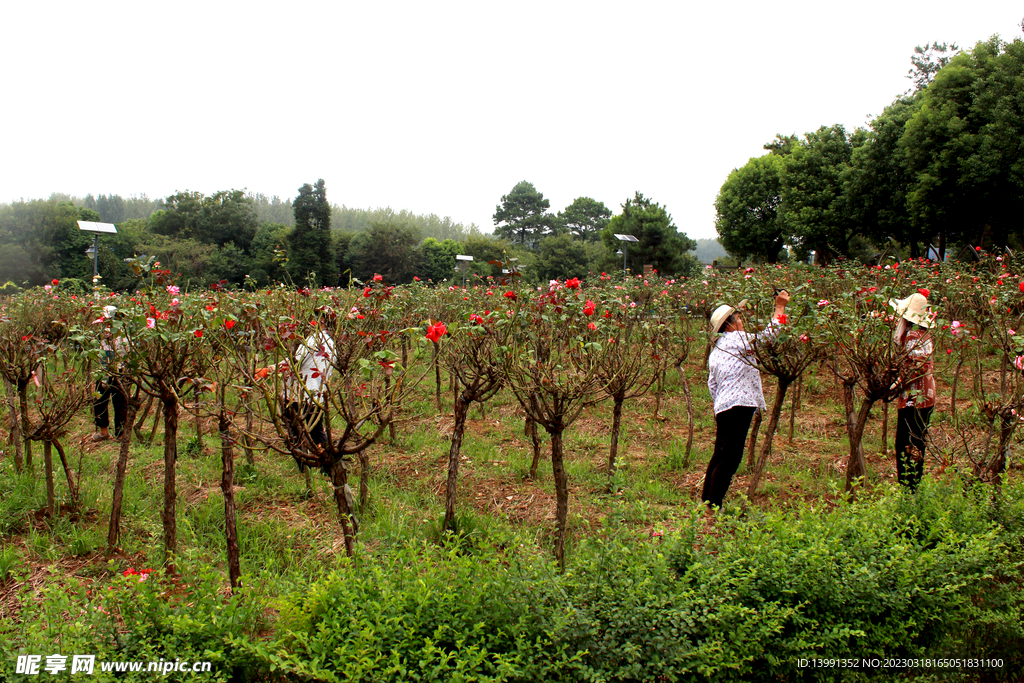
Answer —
625 247
463 274
95 256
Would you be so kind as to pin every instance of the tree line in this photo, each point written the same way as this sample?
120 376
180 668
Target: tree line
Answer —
940 168
242 239
581 238
228 236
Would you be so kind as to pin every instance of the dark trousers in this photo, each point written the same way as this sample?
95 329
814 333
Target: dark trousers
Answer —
911 430
107 391
730 437
309 418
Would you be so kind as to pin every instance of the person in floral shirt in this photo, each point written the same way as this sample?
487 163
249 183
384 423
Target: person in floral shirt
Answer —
917 391
735 385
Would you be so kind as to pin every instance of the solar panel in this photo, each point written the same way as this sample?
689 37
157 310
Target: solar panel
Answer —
92 226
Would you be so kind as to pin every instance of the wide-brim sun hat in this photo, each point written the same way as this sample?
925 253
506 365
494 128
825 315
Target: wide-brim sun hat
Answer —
914 309
720 315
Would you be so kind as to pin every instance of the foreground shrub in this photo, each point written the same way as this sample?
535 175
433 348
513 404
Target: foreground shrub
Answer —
933 575
936 575
420 613
139 617
901 577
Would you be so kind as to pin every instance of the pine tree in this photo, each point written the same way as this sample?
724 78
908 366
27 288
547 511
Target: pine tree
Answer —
310 242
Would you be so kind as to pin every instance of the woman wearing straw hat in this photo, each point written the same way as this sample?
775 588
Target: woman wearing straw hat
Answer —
735 385
917 393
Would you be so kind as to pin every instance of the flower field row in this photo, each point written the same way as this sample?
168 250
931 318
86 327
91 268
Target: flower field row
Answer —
556 349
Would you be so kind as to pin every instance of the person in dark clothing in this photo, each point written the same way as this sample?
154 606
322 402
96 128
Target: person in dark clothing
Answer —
109 388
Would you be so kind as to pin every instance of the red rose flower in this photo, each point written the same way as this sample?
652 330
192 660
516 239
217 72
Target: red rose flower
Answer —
435 331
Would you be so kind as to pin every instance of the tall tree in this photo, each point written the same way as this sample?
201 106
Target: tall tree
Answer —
964 148
342 241
387 249
522 216
223 217
660 243
310 241
438 259
269 250
111 208
814 206
180 215
561 256
585 218
928 60
349 219
486 249
273 209
229 216
748 217
40 240
878 179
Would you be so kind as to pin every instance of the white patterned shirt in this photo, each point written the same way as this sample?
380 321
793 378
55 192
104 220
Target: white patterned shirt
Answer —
733 377
314 360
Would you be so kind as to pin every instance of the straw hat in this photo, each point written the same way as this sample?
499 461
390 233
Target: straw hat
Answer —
914 309
720 315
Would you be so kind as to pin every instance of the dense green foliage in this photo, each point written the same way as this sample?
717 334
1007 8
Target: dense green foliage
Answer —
748 206
940 166
310 241
585 218
388 249
660 243
234 238
936 575
522 217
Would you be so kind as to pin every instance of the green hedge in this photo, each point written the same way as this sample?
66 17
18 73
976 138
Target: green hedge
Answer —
932 575
134 620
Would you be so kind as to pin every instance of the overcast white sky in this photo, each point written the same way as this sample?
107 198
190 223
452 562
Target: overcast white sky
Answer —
442 107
